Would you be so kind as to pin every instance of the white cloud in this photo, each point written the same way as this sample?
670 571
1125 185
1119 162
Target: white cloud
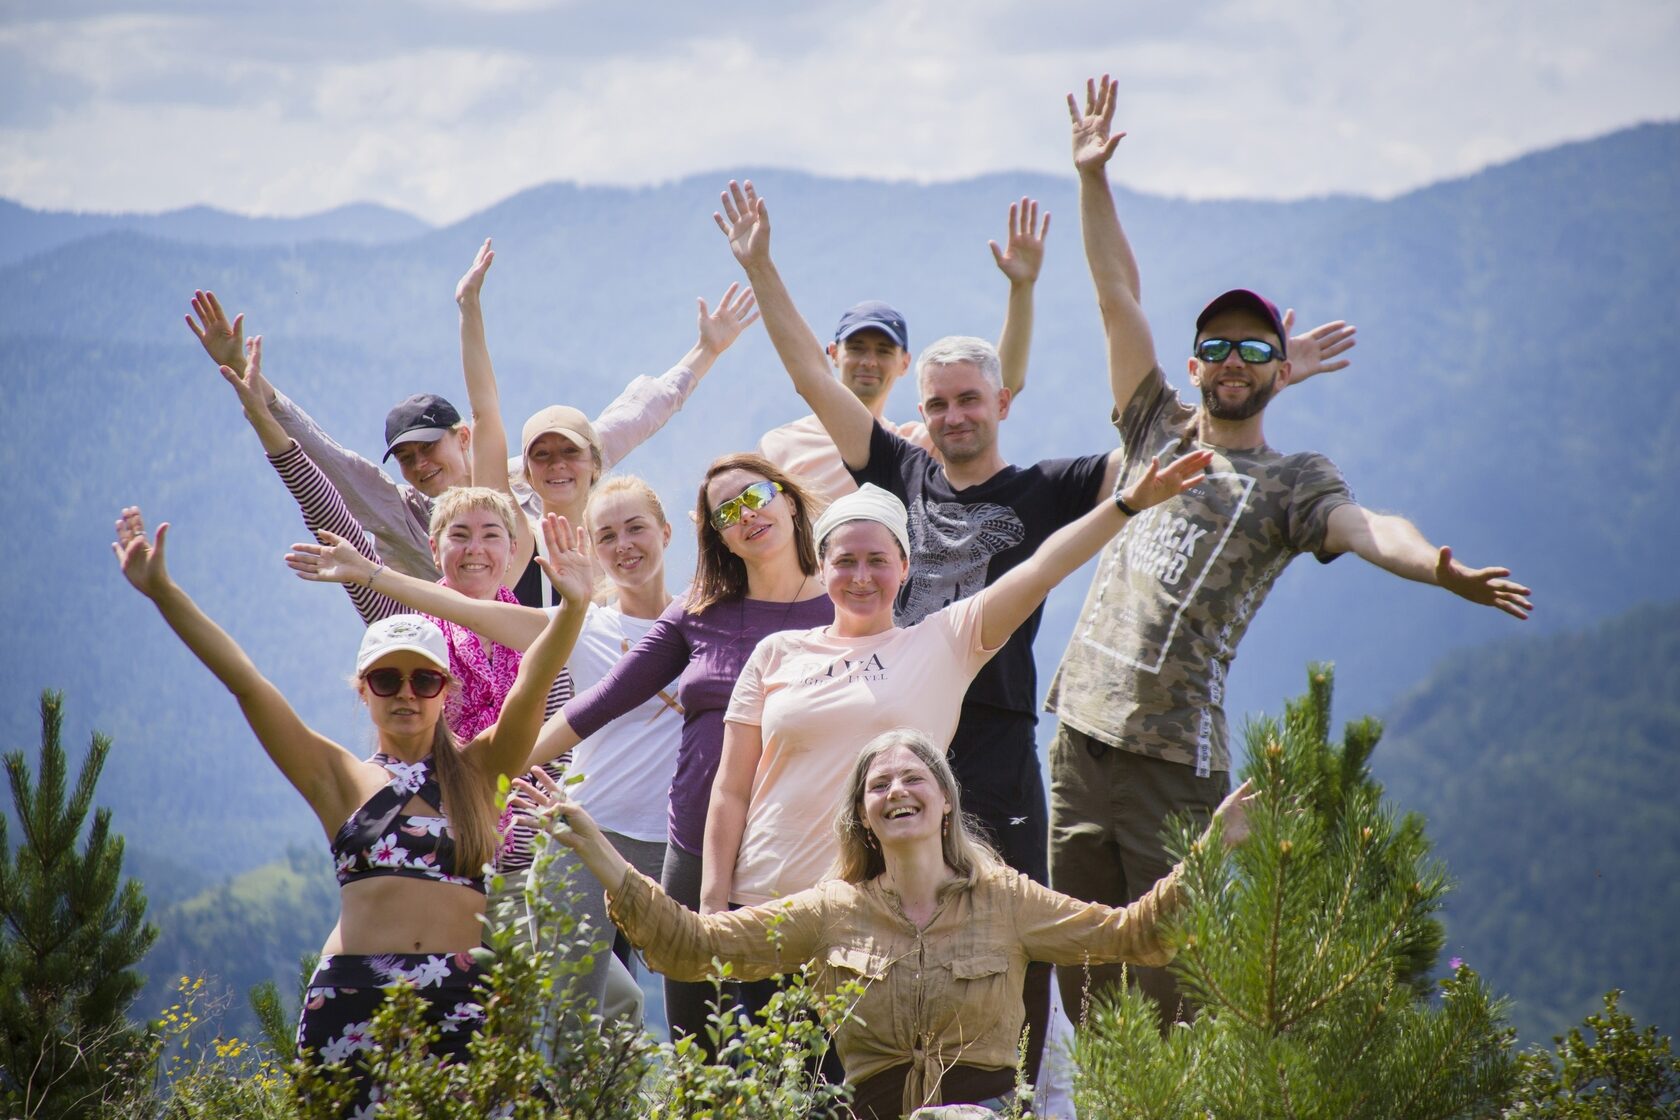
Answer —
1247 97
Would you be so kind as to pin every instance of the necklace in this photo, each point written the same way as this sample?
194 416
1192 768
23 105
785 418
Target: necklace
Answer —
781 623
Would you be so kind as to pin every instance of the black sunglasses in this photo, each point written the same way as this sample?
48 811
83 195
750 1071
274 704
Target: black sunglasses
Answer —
1254 351
426 683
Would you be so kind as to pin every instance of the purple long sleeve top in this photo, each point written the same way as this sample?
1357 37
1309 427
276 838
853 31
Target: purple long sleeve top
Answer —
704 654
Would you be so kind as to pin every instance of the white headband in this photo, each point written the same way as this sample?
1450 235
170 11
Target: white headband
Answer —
868 503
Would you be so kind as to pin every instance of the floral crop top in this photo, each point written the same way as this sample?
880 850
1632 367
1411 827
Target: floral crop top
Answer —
380 839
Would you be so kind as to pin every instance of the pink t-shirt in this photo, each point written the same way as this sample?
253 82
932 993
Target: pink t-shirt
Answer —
817 699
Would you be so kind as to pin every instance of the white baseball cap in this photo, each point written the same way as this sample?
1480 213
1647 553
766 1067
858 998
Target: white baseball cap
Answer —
412 633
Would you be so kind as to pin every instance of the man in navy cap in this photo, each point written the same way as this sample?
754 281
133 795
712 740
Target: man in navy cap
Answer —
1139 693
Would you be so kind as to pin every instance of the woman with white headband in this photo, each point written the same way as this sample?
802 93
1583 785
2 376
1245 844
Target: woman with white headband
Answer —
807 698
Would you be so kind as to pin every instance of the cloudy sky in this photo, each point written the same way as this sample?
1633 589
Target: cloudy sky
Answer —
442 107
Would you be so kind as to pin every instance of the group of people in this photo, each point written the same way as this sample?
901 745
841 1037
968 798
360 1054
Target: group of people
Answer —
860 621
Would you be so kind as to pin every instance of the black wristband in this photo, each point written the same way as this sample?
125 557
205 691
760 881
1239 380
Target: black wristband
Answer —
1120 504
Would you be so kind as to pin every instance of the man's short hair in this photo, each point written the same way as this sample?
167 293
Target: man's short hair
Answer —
955 348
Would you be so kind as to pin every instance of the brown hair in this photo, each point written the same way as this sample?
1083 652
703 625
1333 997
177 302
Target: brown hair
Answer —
468 803
966 850
719 574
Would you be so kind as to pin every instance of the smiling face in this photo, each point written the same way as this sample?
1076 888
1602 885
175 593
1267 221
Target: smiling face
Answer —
403 715
760 533
629 538
863 568
869 361
473 552
1234 389
962 410
434 467
902 802
560 470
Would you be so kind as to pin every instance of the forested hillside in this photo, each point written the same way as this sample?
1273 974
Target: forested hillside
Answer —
1546 768
1502 394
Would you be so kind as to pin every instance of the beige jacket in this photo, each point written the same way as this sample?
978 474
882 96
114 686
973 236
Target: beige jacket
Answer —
932 997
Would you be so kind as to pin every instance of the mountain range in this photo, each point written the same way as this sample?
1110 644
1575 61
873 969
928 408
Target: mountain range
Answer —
1504 319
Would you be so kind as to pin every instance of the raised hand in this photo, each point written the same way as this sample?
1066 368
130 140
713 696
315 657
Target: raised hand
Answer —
1310 354
140 559
248 382
334 560
220 338
468 288
540 796
736 311
1158 484
1232 814
746 222
1092 144
1023 256
568 563
1487 586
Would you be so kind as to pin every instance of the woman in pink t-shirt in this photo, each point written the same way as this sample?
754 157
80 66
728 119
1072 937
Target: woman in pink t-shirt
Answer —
807 698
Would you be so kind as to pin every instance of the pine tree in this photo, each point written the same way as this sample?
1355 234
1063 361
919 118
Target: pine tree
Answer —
71 930
1307 949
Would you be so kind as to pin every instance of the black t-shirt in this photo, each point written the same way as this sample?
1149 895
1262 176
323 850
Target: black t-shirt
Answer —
963 540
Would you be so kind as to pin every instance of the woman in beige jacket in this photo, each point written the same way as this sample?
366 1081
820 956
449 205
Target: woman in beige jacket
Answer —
917 909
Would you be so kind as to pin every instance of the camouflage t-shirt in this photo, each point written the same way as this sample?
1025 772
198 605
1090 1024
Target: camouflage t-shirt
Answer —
1175 591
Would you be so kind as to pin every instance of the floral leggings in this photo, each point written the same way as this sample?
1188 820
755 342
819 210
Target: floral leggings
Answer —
347 989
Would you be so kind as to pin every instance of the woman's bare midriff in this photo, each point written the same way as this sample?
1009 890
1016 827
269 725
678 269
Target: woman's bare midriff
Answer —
393 914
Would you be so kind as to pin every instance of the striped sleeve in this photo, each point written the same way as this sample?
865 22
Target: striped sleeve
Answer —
323 509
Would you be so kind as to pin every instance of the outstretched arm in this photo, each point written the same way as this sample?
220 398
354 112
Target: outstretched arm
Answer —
1395 545
489 436
252 389
1114 271
1007 603
316 767
736 311
746 222
504 746
646 404
1020 262
396 516
678 942
336 560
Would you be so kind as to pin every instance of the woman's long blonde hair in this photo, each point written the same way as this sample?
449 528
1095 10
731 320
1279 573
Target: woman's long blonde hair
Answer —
967 851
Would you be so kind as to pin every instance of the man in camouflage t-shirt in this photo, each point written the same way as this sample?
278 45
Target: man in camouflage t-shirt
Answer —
1140 690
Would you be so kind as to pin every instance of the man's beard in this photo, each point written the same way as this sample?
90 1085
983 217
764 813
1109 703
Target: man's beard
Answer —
1256 400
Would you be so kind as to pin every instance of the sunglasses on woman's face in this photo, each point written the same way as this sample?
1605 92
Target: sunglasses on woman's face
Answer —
426 683
1254 351
756 496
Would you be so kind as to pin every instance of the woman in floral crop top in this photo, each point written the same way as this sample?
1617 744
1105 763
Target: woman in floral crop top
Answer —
411 828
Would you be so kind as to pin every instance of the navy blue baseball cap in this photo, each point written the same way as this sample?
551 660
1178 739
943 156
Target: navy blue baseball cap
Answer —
1248 301
872 314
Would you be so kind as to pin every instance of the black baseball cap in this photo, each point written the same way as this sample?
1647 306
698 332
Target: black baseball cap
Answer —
422 418
872 314
1249 301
